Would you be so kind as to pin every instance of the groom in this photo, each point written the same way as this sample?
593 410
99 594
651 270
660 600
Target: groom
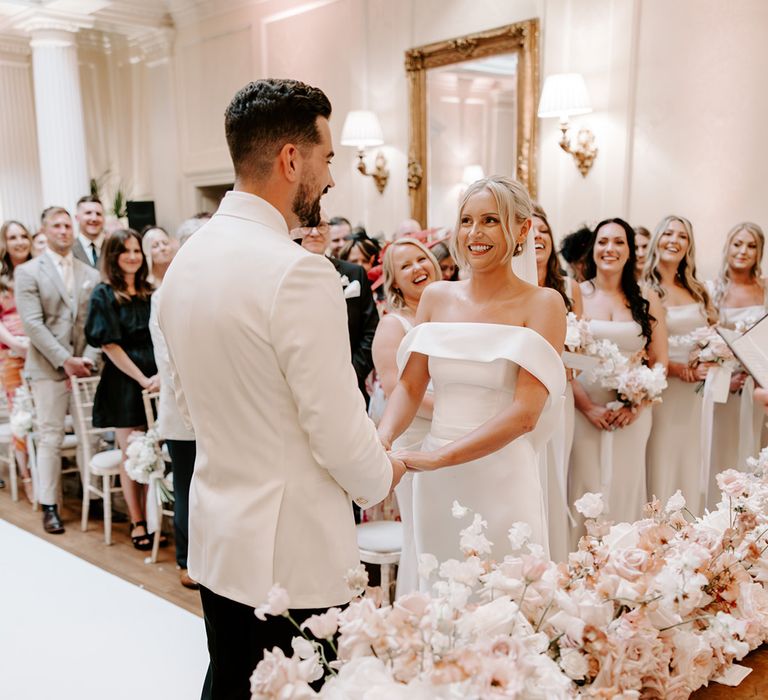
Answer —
257 335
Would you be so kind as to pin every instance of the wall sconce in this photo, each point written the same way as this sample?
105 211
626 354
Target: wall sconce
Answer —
363 130
565 95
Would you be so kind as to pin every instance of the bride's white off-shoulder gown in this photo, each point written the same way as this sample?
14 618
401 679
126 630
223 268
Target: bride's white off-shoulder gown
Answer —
474 368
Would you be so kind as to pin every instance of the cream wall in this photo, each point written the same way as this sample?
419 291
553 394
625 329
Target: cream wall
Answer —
676 88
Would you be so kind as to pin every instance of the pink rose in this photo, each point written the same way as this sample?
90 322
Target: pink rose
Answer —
323 626
732 483
277 603
630 563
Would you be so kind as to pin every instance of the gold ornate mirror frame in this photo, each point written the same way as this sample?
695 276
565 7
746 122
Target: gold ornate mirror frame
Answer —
521 38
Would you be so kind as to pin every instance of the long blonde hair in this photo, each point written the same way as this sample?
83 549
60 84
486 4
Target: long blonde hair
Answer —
515 207
756 273
395 298
686 269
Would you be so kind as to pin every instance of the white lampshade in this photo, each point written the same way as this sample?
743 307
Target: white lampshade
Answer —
361 129
472 173
564 95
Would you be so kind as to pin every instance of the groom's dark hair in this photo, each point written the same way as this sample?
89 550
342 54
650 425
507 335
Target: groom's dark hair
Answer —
265 115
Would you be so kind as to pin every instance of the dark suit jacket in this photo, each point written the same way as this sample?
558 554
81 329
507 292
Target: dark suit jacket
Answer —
80 254
362 319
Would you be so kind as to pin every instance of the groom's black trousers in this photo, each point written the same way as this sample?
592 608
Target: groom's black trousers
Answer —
237 641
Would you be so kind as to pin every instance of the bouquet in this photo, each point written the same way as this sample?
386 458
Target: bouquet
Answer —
652 609
708 346
144 461
21 413
578 336
635 383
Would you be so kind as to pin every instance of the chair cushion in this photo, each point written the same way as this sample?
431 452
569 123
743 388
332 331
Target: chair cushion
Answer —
106 461
380 536
70 442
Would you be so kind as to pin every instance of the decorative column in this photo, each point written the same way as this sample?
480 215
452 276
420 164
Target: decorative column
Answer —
59 110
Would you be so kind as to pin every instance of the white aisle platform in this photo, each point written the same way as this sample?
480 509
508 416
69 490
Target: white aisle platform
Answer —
71 631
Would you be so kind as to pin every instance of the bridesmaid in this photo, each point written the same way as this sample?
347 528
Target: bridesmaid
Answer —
740 294
409 268
619 312
674 449
555 477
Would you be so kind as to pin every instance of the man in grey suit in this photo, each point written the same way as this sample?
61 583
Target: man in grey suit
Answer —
90 226
52 296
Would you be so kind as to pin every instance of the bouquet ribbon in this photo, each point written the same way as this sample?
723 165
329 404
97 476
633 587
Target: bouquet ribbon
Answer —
748 446
716 388
606 464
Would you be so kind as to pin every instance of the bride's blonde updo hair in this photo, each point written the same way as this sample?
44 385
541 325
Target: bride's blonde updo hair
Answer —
514 206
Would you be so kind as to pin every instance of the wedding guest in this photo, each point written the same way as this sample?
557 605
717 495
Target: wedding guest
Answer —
341 230
574 248
409 267
188 227
283 440
642 239
158 252
179 438
90 237
555 476
15 249
634 321
118 323
39 244
52 294
448 267
674 448
407 227
360 251
362 316
740 295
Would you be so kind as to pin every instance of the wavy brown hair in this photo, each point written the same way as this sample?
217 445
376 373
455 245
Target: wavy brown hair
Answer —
554 278
6 264
111 273
723 280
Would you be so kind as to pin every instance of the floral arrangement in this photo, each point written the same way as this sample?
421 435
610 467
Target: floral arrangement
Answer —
144 460
578 336
706 346
651 609
635 382
21 413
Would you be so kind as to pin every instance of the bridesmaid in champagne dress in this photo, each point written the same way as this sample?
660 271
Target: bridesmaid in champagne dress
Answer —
491 345
557 455
609 446
409 267
674 449
740 294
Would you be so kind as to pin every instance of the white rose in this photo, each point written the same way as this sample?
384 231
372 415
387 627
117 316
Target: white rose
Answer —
590 505
277 603
458 511
574 664
519 534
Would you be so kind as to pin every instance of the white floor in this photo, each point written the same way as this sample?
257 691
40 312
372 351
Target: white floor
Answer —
71 631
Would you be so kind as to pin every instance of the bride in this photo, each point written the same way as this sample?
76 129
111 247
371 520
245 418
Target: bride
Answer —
491 345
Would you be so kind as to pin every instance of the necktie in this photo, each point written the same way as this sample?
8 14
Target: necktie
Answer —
94 255
67 275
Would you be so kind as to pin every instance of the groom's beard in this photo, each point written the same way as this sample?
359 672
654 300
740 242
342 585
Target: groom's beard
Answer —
307 209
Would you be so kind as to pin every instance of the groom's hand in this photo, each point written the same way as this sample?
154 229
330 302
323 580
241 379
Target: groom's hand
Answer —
398 470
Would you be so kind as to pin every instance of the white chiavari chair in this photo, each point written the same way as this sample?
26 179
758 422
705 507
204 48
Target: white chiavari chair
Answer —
103 465
380 543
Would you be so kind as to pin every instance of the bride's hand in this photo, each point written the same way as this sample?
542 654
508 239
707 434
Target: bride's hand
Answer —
417 461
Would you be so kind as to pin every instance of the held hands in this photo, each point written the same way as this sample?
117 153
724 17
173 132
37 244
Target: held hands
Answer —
78 367
418 461
624 416
698 373
737 381
603 418
398 470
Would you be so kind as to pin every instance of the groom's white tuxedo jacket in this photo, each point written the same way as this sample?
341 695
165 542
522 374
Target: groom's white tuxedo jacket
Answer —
257 336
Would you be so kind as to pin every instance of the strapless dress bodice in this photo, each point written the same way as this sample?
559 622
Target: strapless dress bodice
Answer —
741 317
682 320
468 393
627 335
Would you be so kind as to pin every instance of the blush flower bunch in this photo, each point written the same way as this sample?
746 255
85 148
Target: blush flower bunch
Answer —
650 609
